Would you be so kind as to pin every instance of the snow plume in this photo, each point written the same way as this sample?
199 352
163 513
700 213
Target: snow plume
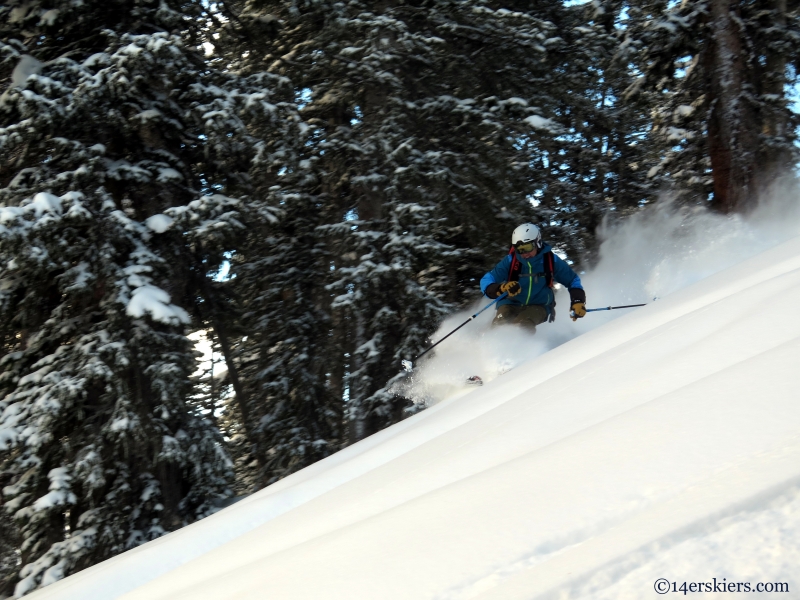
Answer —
645 257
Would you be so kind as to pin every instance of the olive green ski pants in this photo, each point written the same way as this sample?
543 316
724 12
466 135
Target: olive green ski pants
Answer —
526 316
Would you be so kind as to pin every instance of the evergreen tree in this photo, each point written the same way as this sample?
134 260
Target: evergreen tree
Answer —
115 137
722 116
277 308
593 169
284 357
433 129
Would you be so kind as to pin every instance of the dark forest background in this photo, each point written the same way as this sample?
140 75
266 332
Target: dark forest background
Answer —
316 185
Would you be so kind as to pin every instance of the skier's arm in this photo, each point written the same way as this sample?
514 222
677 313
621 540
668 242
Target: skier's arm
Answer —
490 283
564 275
489 286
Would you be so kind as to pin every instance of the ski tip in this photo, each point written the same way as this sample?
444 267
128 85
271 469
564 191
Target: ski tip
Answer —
408 365
474 380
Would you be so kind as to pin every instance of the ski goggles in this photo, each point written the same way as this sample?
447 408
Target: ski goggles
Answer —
525 247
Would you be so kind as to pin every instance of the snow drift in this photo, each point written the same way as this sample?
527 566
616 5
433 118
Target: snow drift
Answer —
664 444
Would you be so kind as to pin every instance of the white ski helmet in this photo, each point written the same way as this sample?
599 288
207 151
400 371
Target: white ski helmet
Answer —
527 232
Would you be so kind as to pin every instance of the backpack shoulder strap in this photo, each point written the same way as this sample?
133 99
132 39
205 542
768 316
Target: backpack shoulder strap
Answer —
515 268
549 268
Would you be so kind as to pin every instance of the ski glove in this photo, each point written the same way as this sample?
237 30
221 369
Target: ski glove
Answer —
578 311
577 298
512 287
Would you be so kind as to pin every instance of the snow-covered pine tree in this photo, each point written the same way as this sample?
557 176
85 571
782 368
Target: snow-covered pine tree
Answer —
429 127
594 168
114 137
278 314
285 349
591 169
327 225
722 115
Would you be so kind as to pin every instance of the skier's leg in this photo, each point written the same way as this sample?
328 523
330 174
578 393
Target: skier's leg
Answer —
531 316
506 314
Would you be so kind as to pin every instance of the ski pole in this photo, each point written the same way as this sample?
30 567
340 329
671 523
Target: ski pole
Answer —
408 364
614 307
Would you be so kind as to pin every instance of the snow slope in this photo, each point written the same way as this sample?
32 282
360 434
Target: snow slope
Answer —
664 444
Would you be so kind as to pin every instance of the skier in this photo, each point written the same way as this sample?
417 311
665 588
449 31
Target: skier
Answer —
528 274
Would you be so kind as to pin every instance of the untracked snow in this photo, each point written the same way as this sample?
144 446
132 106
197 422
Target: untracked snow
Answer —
662 444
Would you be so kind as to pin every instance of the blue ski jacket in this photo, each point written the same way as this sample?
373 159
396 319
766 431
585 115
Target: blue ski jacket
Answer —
532 279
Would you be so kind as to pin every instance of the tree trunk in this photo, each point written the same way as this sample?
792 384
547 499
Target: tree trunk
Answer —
733 126
221 333
774 159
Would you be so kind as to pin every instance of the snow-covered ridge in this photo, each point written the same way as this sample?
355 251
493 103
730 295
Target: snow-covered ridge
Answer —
642 449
